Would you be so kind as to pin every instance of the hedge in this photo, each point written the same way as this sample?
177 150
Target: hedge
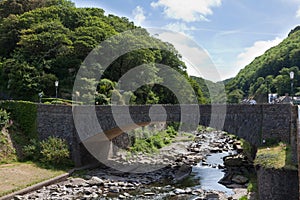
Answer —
24 114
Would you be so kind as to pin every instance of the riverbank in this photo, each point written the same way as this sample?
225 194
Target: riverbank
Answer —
16 176
175 179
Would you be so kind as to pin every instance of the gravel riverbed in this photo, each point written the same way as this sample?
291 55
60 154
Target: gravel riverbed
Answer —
174 177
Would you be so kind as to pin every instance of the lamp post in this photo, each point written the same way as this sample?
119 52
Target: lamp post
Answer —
41 96
292 84
56 86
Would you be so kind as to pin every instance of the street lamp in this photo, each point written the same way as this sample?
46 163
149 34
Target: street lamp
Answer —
41 96
292 84
56 86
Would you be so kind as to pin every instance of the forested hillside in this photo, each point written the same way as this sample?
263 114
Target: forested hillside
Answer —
269 72
42 41
213 92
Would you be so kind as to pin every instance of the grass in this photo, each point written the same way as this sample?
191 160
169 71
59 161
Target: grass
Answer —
152 143
277 156
204 128
17 176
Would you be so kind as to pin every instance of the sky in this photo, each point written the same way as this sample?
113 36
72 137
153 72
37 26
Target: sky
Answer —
230 32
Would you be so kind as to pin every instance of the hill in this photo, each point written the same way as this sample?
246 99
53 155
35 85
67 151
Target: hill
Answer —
269 72
213 92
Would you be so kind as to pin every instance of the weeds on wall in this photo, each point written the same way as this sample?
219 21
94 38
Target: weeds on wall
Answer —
24 115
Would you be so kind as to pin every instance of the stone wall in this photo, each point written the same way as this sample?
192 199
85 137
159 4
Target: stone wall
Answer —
254 123
57 121
277 184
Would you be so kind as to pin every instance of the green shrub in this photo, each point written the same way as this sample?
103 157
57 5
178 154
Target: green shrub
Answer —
174 125
151 142
167 140
201 128
32 151
142 146
158 141
171 131
54 151
4 118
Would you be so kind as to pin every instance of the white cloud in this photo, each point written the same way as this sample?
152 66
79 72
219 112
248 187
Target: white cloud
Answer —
139 16
181 28
197 59
256 50
188 10
298 13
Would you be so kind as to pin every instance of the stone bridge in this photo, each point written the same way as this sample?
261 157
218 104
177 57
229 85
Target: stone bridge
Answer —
96 124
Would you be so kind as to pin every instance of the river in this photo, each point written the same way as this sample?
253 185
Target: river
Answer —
204 156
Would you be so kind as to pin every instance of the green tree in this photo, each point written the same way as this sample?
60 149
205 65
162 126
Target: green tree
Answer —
42 41
22 79
235 96
105 89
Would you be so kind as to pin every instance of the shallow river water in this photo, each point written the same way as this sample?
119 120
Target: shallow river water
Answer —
208 176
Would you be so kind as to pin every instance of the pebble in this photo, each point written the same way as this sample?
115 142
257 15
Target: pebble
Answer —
149 193
179 191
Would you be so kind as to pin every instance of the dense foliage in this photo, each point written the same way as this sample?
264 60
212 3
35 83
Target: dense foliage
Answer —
4 118
24 116
50 152
42 41
269 73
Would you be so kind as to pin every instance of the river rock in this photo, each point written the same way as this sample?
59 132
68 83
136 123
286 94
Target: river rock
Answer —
179 191
126 194
232 161
216 150
238 147
183 172
239 179
114 189
95 181
149 193
226 180
78 182
221 166
18 197
212 196
235 186
198 138
188 190
196 150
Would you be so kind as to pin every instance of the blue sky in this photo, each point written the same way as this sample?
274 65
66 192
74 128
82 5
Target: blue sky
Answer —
231 32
